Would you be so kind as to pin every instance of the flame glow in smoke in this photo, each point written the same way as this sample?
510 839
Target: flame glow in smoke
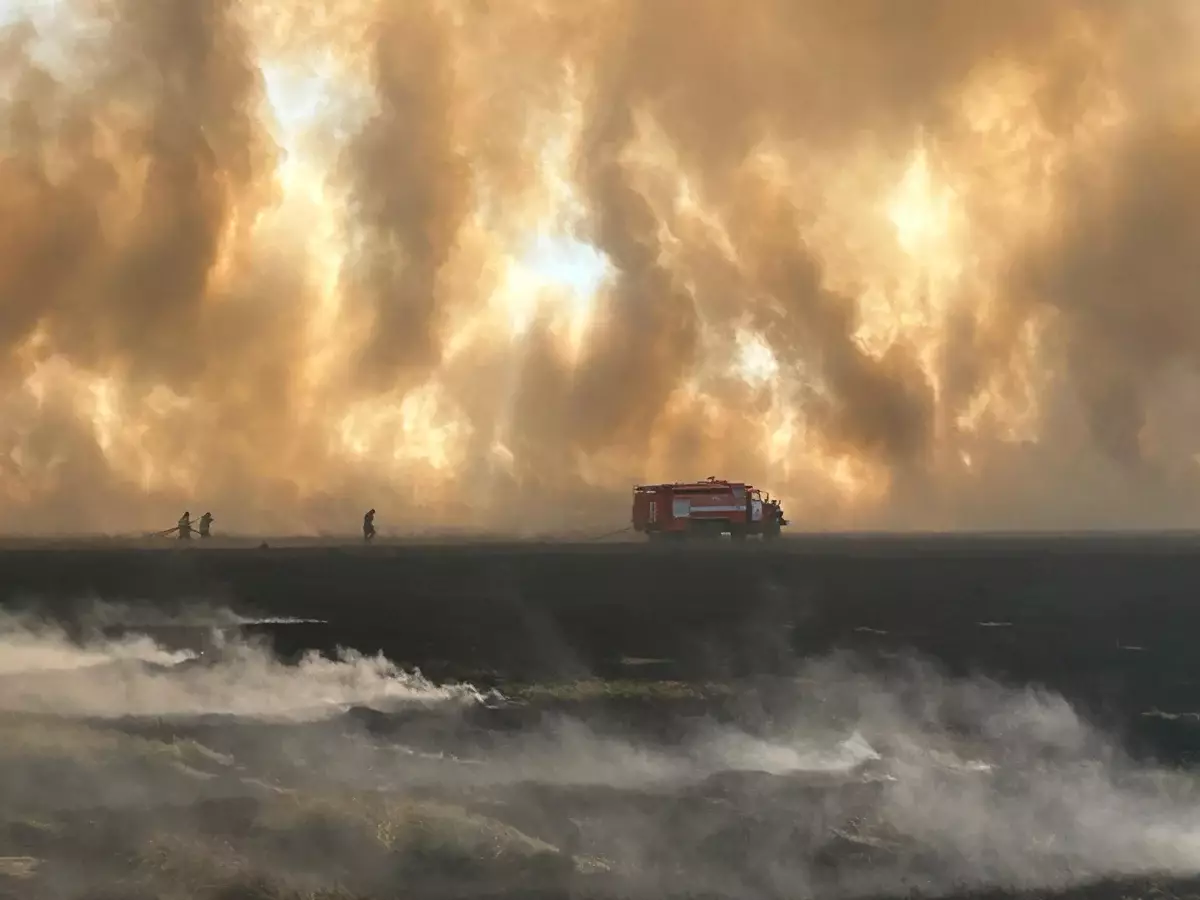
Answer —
403 236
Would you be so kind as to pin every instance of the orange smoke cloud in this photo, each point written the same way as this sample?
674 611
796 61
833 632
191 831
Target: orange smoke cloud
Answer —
486 265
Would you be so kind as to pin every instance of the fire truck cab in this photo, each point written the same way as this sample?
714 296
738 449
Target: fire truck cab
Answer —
707 508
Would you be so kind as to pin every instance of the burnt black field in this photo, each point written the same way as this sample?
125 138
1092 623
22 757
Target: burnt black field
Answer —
1033 658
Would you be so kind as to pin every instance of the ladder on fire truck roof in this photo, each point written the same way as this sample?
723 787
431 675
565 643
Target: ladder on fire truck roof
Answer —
711 479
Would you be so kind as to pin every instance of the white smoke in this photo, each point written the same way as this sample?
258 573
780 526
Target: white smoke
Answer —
940 782
38 653
43 671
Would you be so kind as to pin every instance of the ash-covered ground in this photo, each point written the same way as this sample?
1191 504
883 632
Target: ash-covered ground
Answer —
826 718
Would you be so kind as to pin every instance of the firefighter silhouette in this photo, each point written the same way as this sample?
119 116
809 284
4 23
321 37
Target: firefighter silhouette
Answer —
206 521
185 526
369 526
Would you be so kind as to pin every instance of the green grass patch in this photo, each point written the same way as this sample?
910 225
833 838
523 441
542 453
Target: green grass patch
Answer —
621 689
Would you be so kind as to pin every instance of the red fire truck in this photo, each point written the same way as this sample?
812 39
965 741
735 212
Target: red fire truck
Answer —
707 508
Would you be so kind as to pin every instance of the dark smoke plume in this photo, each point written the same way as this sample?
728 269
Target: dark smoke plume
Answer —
957 236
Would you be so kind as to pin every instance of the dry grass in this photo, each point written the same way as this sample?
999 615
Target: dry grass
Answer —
139 816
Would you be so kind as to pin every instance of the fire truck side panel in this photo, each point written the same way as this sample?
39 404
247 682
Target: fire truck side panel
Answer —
706 509
717 505
678 508
645 509
651 508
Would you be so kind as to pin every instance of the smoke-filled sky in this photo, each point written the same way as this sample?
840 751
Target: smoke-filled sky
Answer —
928 264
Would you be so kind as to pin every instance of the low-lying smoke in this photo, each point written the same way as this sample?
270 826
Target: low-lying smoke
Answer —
42 671
864 785
484 265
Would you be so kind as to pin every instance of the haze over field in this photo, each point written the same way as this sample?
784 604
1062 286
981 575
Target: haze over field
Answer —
479 264
150 771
